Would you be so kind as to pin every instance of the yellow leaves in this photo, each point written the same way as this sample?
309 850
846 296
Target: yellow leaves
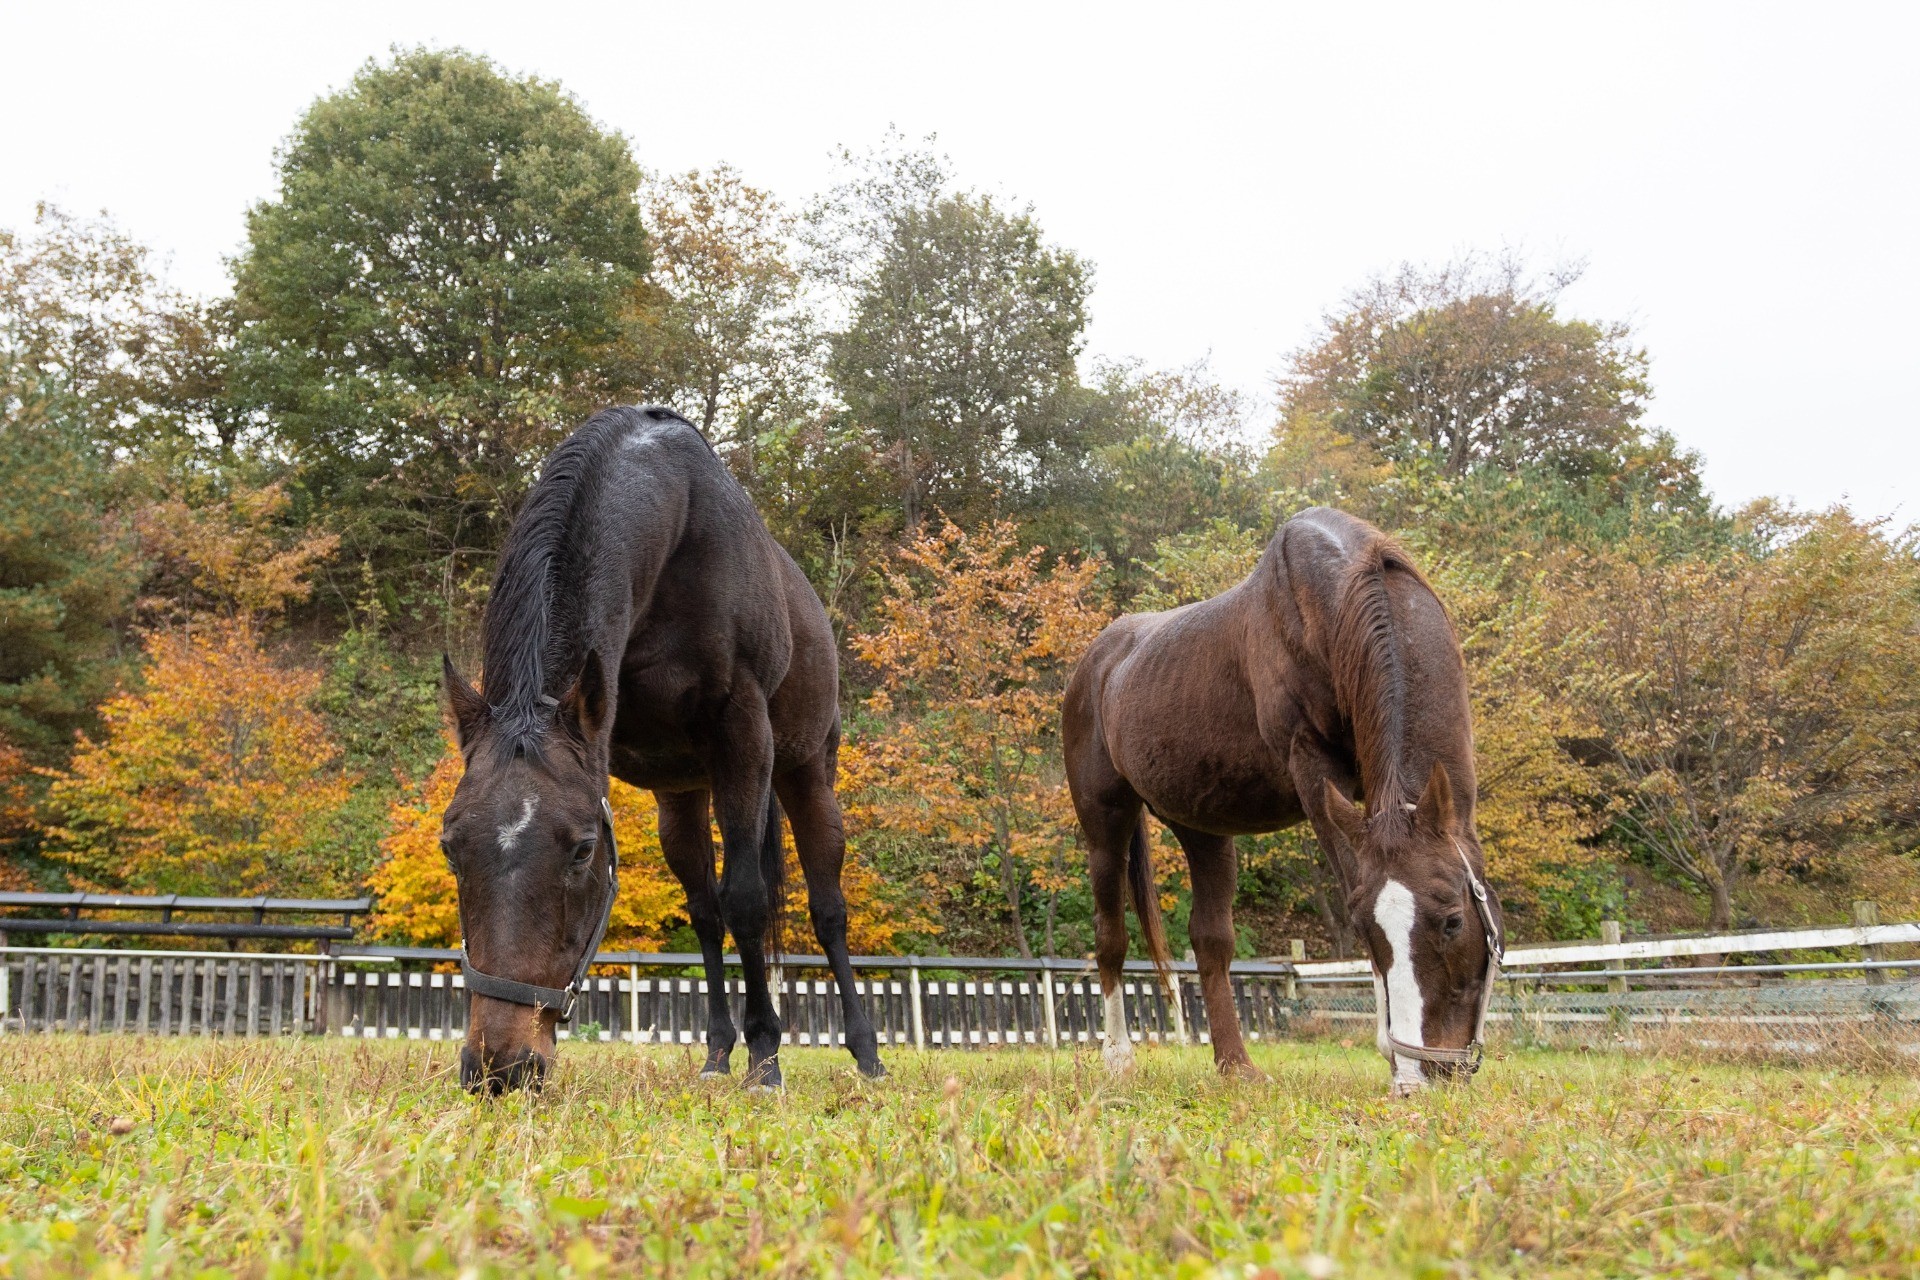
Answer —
217 777
233 552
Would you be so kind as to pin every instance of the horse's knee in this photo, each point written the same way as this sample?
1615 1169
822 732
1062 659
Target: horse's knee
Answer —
1211 942
829 919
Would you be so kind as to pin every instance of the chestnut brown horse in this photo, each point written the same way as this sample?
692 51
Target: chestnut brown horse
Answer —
1331 672
643 623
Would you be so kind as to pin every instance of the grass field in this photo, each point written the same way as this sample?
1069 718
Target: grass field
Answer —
187 1157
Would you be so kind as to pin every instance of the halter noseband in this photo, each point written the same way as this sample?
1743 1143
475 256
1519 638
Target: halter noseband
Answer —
1469 1058
560 998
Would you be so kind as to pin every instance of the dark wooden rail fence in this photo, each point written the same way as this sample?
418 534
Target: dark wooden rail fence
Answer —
929 1002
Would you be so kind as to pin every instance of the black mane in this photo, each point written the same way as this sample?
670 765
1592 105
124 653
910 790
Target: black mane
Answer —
530 635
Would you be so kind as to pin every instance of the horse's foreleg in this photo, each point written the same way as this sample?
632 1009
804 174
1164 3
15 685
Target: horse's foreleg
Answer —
741 769
820 839
686 838
1216 872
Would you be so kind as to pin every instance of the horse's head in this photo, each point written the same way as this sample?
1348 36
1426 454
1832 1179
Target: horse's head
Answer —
1432 927
529 841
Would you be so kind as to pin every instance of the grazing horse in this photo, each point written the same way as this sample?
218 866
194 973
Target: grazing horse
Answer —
643 624
1330 672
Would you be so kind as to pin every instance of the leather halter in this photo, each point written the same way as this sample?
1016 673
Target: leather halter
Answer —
559 998
1469 1058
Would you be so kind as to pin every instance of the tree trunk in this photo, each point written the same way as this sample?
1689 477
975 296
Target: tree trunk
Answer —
1010 878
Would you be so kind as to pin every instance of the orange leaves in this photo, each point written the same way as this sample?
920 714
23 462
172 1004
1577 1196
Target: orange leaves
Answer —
416 888
973 646
232 553
217 777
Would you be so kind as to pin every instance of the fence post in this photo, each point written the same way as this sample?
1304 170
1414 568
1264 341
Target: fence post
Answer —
633 1003
1616 986
6 982
1866 915
913 984
1179 1005
1297 953
1046 1002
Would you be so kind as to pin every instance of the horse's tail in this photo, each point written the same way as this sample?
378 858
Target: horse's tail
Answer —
773 871
1146 898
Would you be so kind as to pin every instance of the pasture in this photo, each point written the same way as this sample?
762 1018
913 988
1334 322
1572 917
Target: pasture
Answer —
124 1156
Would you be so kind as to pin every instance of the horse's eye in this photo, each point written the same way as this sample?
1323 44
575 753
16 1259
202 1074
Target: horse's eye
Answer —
1453 925
446 849
584 850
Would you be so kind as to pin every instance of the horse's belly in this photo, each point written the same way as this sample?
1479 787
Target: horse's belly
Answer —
1216 795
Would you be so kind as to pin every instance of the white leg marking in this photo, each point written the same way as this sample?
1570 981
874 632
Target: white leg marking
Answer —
1393 912
510 833
1118 1051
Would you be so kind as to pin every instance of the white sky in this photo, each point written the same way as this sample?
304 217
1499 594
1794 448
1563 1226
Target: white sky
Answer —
1743 181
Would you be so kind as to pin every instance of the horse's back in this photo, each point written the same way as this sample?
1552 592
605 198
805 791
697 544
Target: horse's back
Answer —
720 609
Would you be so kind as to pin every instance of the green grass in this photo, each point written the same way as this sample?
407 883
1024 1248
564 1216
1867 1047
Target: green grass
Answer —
353 1159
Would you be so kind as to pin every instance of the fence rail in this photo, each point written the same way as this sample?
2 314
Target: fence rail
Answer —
959 1002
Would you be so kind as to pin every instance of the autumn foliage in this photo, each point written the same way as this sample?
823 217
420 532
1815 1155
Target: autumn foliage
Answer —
216 777
974 641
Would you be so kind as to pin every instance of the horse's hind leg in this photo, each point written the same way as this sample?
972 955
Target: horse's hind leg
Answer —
686 838
1110 820
1216 873
813 812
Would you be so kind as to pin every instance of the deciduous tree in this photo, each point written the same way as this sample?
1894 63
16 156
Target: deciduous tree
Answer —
1756 711
973 643
1472 366
427 303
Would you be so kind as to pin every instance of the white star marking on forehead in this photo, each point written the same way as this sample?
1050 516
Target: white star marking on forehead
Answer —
510 833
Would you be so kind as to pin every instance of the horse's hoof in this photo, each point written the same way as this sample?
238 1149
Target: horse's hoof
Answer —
875 1070
766 1078
714 1073
1119 1062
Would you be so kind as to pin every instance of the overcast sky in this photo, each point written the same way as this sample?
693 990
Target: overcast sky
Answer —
1743 182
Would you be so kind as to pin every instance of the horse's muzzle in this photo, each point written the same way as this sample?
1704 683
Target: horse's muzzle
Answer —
496 1075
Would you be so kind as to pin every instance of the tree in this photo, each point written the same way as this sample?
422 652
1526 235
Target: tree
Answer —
217 777
1467 367
68 570
729 333
426 306
143 368
1756 711
959 352
973 644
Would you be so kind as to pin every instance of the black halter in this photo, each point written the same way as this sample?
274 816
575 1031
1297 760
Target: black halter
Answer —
560 998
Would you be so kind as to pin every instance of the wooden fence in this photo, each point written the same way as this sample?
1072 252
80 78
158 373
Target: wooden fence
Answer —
946 1002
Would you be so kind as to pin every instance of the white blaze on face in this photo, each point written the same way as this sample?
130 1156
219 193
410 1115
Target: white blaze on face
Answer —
510 833
1393 912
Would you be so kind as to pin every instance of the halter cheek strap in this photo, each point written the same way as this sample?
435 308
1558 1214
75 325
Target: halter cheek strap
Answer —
557 998
1469 1058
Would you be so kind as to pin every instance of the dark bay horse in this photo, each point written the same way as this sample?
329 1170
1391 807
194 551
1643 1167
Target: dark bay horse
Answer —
1331 672
643 623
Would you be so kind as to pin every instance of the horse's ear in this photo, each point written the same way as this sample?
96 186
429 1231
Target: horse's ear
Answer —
1345 817
1435 810
465 707
584 709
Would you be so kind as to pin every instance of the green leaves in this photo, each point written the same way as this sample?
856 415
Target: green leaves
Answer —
426 307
